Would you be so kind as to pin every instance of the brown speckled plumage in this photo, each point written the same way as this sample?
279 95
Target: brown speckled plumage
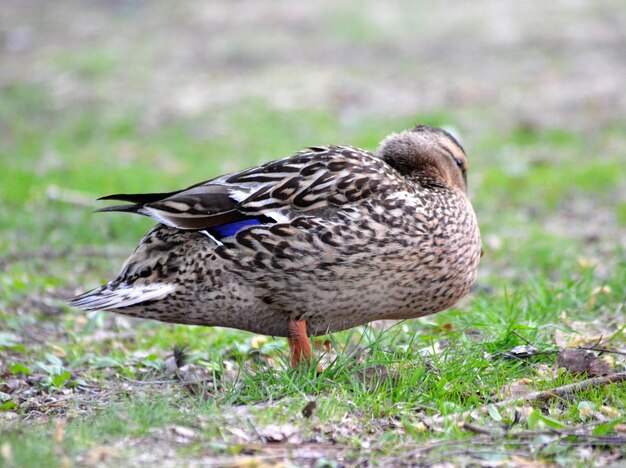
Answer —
334 236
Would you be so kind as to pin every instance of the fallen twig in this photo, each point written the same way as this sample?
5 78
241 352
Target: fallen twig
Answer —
544 395
565 389
525 340
524 351
474 428
601 350
505 438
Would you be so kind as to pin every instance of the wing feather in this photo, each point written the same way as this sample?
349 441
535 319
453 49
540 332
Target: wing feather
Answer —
282 189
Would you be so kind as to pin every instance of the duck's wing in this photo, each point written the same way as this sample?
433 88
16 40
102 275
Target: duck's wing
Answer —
310 181
197 207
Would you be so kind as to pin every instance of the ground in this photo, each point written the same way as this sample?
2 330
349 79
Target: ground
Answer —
131 96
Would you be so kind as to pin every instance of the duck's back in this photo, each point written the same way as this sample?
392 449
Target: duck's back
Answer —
334 236
398 257
399 261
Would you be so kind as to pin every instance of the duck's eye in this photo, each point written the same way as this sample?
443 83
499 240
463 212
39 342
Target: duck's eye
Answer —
458 162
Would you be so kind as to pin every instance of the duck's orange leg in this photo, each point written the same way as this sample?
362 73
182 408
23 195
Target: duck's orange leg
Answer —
299 343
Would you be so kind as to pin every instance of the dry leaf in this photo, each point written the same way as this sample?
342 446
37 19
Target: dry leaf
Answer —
170 366
58 433
254 462
586 263
610 412
586 411
97 455
581 361
599 368
522 413
307 411
546 372
257 341
516 388
324 345
58 351
560 339
600 290
420 427
575 361
184 434
279 433
239 433
7 453
8 415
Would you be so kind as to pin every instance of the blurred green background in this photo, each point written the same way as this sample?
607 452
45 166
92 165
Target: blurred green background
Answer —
109 96
99 97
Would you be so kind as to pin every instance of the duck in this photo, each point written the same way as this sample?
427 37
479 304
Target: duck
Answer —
327 239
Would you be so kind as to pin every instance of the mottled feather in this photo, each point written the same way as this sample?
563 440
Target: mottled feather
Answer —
335 235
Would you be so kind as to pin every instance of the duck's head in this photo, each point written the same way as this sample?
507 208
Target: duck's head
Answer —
427 154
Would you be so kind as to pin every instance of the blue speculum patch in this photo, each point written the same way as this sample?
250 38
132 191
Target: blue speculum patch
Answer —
230 229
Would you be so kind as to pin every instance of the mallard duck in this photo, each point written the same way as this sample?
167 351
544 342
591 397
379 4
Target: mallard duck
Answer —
325 240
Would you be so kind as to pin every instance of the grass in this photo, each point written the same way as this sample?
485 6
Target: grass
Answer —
79 388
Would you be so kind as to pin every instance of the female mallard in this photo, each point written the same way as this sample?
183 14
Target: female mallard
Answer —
328 239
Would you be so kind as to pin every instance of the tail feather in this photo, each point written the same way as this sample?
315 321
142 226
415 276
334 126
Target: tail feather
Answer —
139 198
121 208
117 296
